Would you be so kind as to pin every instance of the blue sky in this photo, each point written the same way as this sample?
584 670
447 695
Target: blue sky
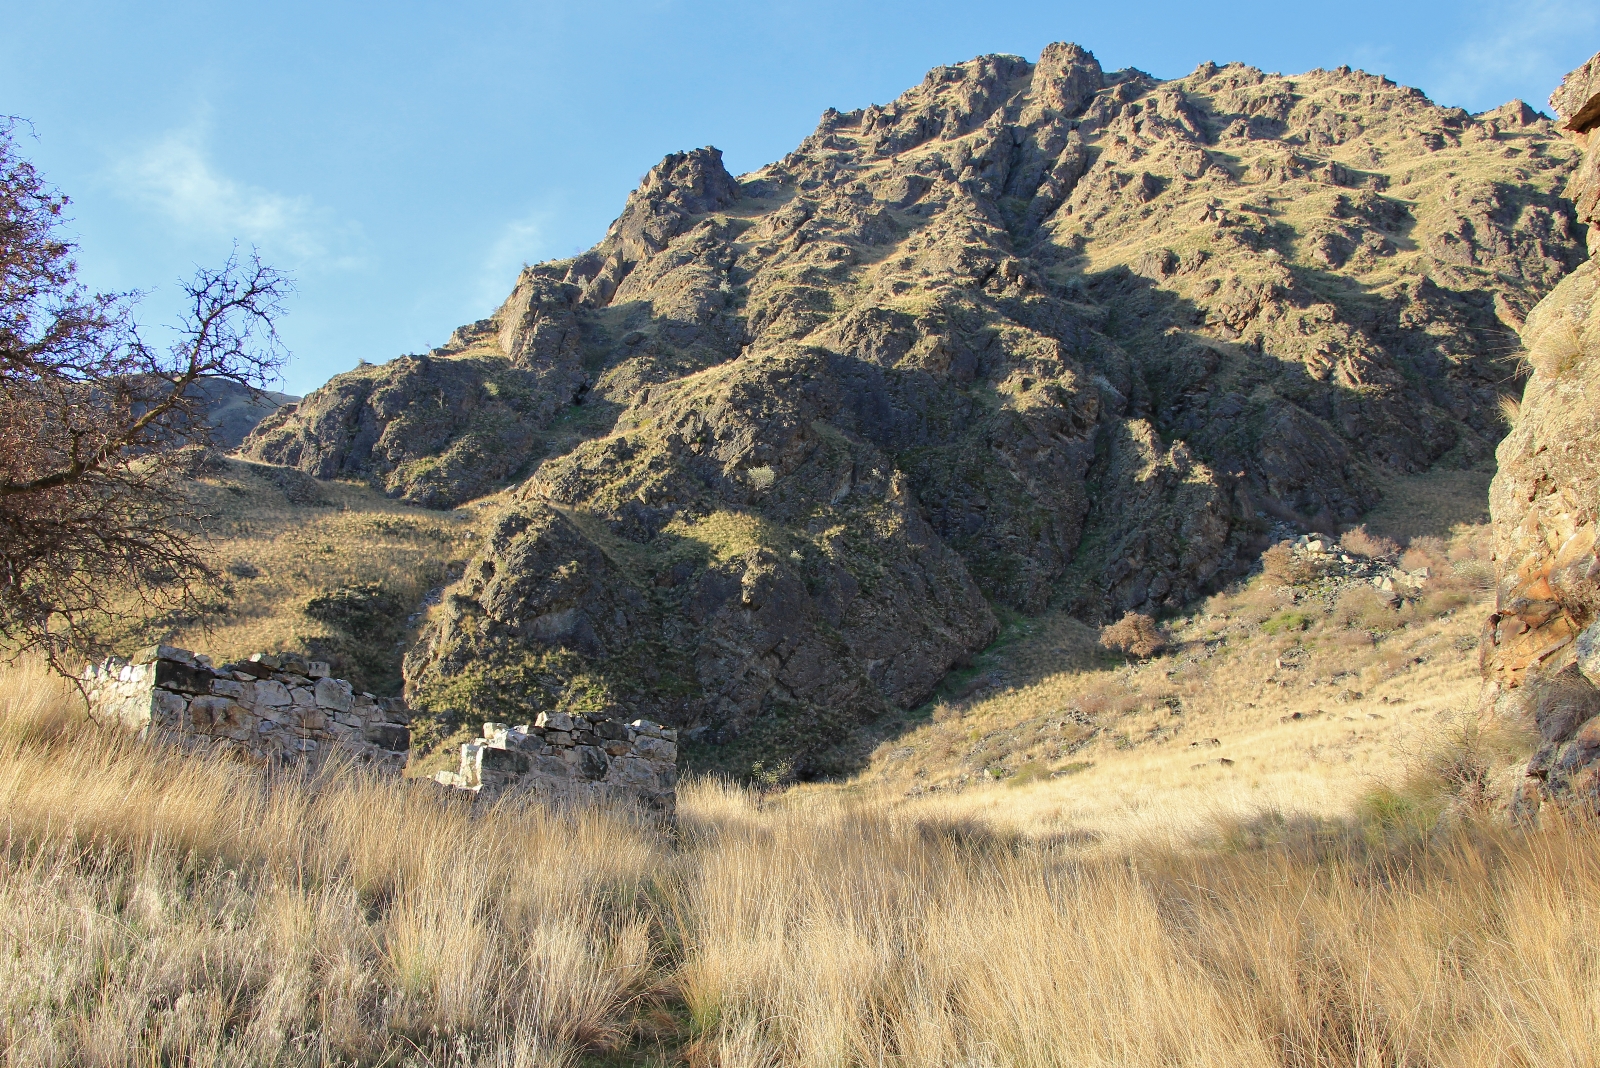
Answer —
404 160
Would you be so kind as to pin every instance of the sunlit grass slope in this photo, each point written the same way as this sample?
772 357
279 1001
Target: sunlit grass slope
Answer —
160 909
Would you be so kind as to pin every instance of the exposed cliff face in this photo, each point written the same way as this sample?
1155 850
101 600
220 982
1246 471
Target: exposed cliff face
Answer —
1541 647
1034 333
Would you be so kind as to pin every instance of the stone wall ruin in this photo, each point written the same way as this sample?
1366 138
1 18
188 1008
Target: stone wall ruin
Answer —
572 759
285 710
267 709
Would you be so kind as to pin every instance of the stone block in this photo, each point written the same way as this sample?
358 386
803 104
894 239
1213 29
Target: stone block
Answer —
632 772
228 688
657 749
591 762
318 669
610 730
169 706
184 678
335 694
266 660
253 669
302 697
552 767
555 721
208 712
163 652
270 693
388 736
646 728
556 737
581 737
504 761
314 720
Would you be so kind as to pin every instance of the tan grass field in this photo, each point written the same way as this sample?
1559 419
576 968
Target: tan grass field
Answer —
1065 859
158 909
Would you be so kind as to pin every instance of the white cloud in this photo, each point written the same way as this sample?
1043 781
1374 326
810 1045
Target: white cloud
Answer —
1513 48
174 177
519 242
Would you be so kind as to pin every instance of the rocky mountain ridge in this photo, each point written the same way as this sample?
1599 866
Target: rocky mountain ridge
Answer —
1032 334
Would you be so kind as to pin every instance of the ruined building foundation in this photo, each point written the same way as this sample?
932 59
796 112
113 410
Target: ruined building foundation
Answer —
284 710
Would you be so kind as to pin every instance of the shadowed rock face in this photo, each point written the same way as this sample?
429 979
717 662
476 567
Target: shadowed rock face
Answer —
1031 334
1541 646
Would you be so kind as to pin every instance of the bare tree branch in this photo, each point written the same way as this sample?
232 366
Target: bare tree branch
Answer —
94 425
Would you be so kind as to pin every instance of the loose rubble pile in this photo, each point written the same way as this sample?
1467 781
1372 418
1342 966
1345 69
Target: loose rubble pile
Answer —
1336 569
567 759
268 709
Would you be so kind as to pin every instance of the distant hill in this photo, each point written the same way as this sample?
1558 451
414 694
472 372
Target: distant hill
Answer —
234 411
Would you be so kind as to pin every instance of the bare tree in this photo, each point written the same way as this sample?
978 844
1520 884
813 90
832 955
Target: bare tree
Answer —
95 424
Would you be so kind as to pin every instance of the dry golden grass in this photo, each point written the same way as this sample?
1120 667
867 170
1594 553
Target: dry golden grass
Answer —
827 931
1263 704
279 550
159 909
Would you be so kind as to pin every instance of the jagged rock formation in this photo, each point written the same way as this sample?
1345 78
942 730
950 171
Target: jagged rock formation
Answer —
1541 647
1031 334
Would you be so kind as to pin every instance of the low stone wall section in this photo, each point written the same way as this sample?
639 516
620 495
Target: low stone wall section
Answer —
274 709
573 759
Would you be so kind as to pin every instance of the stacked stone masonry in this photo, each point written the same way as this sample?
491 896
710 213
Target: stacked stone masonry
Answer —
573 759
268 709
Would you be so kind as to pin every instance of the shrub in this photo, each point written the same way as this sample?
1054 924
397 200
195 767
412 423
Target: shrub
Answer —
1357 540
1281 567
1364 607
1133 635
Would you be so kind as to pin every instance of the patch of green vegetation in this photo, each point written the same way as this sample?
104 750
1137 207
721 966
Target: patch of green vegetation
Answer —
1289 621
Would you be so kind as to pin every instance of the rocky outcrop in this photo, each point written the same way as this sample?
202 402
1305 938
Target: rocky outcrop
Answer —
1541 648
1032 333
1577 101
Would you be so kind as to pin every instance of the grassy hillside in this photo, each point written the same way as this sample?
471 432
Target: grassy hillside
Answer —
1295 698
158 909
330 569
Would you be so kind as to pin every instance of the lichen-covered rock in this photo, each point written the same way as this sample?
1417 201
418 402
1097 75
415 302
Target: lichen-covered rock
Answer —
1032 332
1538 648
